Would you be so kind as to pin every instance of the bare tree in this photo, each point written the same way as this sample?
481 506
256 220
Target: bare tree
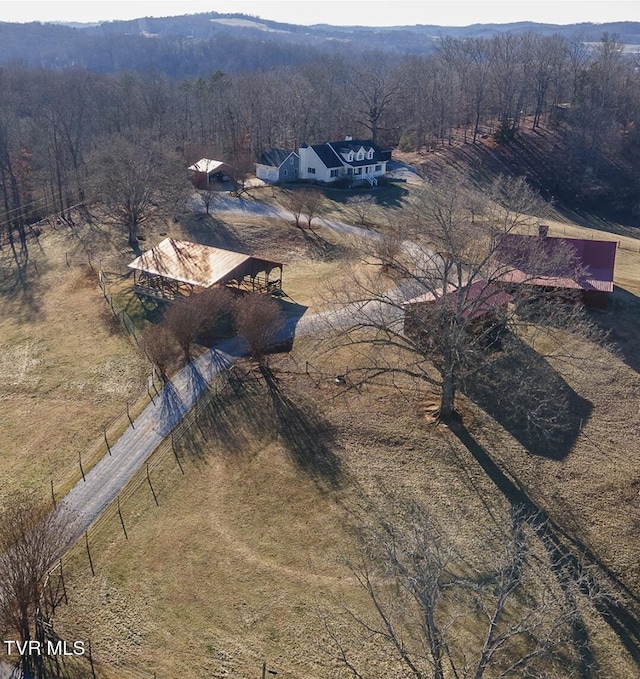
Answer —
31 539
159 345
258 319
298 202
183 320
312 200
361 205
139 181
452 266
440 609
213 303
375 86
208 197
293 201
240 169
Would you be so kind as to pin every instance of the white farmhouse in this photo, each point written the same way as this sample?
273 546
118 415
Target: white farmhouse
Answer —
352 159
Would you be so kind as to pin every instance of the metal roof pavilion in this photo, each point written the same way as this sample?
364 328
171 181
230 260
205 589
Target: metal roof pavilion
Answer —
198 265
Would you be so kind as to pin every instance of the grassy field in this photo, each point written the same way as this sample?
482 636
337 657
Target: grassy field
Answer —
243 559
64 356
66 370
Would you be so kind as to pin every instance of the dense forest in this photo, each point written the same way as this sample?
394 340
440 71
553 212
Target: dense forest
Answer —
62 130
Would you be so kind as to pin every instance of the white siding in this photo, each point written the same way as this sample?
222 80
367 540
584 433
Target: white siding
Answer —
309 160
267 173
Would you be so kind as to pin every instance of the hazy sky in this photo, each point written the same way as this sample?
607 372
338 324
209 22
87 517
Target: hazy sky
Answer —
337 12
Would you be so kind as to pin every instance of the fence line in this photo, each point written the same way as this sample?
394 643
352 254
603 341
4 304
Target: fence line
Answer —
170 453
114 428
118 311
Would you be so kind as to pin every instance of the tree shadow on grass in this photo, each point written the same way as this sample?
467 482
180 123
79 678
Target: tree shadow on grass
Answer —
319 248
306 436
208 230
621 322
528 398
239 409
227 412
615 602
21 286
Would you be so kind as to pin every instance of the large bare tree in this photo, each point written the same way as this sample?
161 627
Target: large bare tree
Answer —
442 607
258 319
138 181
31 539
187 318
453 263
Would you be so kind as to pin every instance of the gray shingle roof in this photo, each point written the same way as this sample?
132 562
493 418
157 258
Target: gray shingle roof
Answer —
331 153
275 157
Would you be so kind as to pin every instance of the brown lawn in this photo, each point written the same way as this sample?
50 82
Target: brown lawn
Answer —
243 558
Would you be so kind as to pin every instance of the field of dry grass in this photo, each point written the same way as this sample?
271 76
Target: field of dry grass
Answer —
272 534
65 370
244 556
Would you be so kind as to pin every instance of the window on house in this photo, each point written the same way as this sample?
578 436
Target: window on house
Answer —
350 157
378 168
334 173
369 154
358 170
285 173
311 170
291 161
360 155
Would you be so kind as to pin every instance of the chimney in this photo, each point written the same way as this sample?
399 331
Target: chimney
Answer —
348 138
543 230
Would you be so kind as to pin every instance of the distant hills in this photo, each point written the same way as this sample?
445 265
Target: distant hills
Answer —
198 43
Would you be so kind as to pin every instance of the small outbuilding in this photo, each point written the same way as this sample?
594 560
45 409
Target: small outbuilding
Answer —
178 268
206 172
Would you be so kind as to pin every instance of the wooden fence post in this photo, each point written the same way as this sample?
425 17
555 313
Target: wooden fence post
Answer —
86 540
153 492
122 520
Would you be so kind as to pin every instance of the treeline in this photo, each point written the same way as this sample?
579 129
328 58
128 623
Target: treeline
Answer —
55 126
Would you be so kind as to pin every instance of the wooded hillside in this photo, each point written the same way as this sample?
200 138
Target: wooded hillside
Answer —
582 100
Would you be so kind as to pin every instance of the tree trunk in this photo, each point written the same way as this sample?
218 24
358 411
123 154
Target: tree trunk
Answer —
447 397
133 235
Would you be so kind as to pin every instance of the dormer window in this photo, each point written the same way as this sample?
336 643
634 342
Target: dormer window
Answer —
350 157
360 155
370 154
